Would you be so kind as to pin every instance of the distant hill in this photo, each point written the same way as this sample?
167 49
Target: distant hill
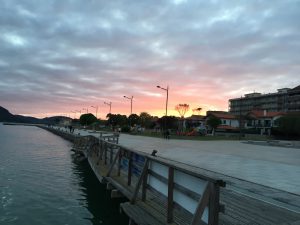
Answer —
6 116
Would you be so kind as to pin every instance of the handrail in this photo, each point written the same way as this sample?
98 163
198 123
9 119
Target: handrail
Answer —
177 184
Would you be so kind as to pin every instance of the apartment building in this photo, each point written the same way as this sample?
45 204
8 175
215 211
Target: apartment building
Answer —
293 100
284 100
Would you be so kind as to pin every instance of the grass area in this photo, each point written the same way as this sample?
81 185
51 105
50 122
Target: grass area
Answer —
204 138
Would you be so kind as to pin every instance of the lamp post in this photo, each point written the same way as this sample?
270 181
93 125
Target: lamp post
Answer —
106 103
167 90
130 103
95 107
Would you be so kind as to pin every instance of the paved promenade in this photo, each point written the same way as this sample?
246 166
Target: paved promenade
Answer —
262 182
276 167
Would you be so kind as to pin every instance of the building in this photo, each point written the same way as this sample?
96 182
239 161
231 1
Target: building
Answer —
284 100
293 101
262 120
229 122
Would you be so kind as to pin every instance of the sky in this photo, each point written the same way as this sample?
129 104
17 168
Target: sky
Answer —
58 57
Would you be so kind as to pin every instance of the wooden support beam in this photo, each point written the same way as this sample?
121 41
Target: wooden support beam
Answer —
137 187
201 205
170 195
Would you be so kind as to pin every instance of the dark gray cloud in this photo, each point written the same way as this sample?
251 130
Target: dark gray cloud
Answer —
57 55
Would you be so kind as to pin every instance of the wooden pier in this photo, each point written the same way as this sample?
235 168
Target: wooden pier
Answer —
161 191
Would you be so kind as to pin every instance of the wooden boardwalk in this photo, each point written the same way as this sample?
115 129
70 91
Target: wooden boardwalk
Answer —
151 207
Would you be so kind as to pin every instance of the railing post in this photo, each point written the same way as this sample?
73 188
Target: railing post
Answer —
137 187
105 153
129 169
119 162
214 205
170 195
144 186
203 202
111 154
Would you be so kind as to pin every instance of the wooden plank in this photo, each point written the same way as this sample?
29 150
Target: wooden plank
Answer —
158 202
129 169
139 215
134 196
214 207
248 209
170 195
178 187
126 192
188 169
201 206
119 162
144 186
105 153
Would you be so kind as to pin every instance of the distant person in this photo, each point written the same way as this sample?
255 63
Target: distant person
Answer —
167 134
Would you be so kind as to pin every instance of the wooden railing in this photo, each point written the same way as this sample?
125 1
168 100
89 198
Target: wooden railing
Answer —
164 189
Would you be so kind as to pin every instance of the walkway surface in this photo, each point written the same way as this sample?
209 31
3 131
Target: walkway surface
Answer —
276 168
271 166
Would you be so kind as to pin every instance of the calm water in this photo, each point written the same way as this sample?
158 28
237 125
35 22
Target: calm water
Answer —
41 183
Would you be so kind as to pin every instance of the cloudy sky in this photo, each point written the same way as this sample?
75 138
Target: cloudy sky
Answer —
61 56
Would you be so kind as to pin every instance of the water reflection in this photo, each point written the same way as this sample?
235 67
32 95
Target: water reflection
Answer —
105 211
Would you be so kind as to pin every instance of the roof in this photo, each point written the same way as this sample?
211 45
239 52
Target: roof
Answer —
264 114
296 88
195 117
226 127
221 114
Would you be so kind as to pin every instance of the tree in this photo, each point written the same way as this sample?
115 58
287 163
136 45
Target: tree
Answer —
146 120
134 119
170 121
213 122
289 125
116 119
87 119
182 109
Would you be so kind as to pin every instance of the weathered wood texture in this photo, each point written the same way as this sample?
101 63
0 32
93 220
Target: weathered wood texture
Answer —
126 172
129 172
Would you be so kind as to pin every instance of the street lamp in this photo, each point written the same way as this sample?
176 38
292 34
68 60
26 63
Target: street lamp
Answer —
106 103
95 107
130 103
167 90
